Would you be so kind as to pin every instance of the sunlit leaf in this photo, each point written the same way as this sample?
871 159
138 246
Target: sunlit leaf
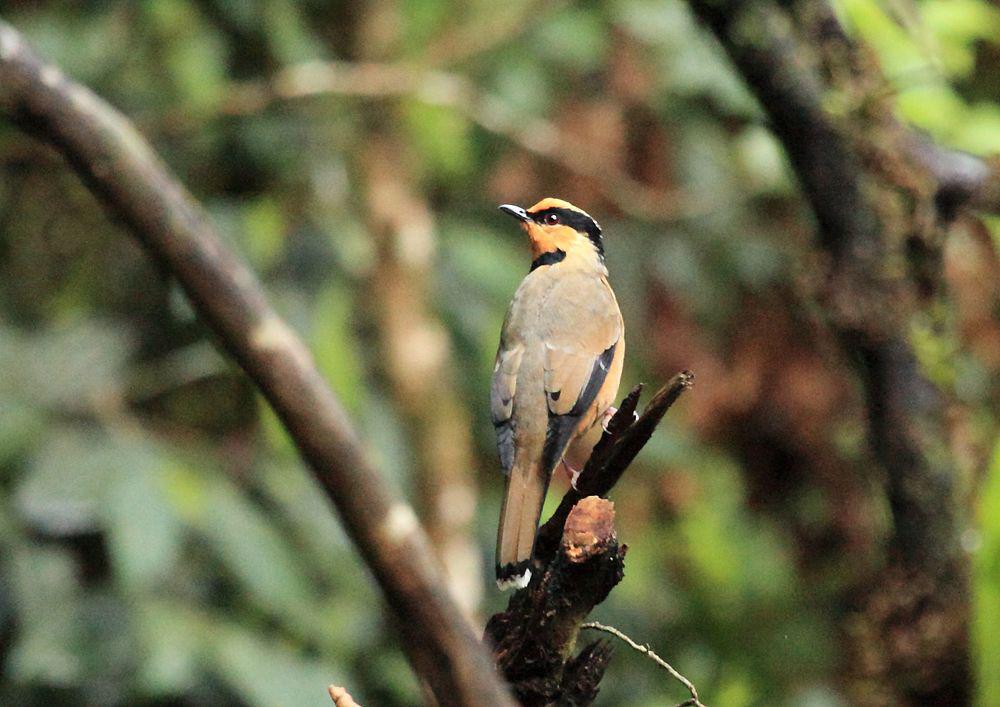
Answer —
985 541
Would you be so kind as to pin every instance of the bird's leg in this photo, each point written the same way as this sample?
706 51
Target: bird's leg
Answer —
606 417
572 472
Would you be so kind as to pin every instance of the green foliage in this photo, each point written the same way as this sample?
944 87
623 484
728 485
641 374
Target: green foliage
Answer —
986 543
924 49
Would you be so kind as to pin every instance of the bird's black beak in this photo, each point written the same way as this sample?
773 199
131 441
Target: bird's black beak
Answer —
515 211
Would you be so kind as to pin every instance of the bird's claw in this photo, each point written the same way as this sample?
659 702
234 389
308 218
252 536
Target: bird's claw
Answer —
609 413
606 417
572 472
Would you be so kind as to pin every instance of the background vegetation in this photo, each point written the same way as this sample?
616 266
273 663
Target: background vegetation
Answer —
160 542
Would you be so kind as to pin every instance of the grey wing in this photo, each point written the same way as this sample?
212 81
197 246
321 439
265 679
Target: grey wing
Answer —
578 356
502 402
563 424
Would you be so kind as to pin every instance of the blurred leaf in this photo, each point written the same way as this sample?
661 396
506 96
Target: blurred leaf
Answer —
64 486
172 638
310 512
522 86
49 647
263 231
69 366
332 339
194 58
573 38
268 672
440 136
21 426
253 551
899 54
144 534
288 32
986 586
957 26
423 21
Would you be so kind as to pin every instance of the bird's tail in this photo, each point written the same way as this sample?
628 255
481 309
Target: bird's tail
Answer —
522 507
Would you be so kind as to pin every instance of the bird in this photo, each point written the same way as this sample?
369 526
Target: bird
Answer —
557 370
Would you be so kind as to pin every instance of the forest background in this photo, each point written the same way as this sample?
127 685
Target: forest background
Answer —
160 540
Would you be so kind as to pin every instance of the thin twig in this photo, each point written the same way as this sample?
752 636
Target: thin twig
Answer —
694 701
540 137
341 697
477 36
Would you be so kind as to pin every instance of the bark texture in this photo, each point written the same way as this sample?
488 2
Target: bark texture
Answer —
123 170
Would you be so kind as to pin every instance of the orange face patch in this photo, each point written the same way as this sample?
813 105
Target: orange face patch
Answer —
548 237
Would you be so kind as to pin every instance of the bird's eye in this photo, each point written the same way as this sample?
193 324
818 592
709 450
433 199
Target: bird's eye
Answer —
551 219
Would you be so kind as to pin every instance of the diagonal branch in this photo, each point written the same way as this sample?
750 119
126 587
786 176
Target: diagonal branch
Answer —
865 305
578 561
121 168
625 437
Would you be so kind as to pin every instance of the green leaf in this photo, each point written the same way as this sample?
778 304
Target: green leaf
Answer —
22 426
263 231
253 551
333 343
144 533
574 38
986 586
63 488
172 640
49 640
69 366
269 672
441 137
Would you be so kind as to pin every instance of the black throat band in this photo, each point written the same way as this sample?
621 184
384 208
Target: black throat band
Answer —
550 258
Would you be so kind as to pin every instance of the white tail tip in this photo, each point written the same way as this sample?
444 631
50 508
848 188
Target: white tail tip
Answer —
517 581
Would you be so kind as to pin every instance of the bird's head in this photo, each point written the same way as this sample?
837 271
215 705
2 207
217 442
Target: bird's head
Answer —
554 225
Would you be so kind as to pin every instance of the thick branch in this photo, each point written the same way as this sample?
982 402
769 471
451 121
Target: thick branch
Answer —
871 184
862 303
535 638
122 169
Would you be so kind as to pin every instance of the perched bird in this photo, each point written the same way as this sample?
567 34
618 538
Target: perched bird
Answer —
557 370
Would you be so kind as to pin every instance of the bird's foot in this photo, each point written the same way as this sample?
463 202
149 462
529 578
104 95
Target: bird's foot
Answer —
606 417
610 412
572 472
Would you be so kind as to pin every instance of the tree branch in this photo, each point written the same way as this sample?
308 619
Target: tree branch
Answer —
646 650
535 637
870 184
121 168
625 437
861 301
578 561
538 136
